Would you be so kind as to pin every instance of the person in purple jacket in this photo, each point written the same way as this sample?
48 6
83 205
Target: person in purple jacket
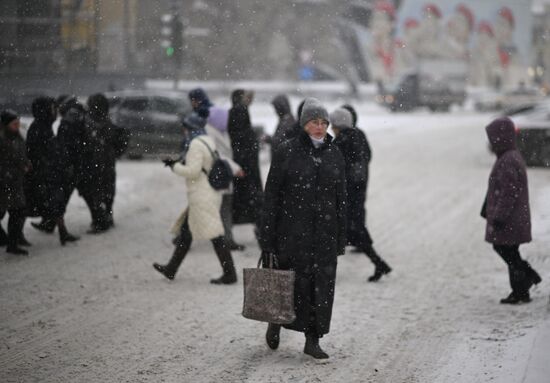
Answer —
506 209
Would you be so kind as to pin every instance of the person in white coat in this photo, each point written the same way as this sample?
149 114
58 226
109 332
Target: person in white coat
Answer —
201 220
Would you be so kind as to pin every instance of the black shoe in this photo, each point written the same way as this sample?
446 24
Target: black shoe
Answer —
272 336
313 349
16 250
534 276
236 247
164 271
96 229
68 237
514 299
23 242
226 279
44 226
379 271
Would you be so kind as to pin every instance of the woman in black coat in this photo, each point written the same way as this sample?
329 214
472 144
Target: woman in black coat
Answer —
45 194
304 221
247 191
13 167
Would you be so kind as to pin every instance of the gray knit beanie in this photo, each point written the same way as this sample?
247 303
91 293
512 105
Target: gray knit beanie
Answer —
341 118
311 110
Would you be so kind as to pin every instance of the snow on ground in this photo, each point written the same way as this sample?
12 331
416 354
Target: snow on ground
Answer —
97 311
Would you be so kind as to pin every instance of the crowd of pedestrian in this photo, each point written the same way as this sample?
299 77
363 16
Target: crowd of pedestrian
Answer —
38 175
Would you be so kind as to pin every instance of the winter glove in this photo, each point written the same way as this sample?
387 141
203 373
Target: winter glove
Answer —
169 162
266 256
498 225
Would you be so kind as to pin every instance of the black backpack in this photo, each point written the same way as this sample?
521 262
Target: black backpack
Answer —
221 175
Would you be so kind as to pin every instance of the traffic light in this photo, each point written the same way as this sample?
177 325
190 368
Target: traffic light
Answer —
172 36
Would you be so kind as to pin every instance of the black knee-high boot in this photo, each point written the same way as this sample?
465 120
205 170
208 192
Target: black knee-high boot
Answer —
183 244
381 267
224 255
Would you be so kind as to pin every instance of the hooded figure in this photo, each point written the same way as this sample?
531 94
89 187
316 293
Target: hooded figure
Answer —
247 191
201 220
104 142
352 143
13 167
304 220
286 129
506 208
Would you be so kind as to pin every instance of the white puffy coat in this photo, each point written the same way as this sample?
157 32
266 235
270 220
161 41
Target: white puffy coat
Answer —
203 201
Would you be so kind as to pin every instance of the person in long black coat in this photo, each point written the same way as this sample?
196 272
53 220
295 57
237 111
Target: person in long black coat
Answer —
356 152
304 223
45 195
286 129
247 190
104 142
13 167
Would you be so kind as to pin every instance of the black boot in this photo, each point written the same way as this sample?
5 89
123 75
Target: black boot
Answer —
272 336
515 298
64 235
381 269
233 246
16 250
182 247
46 226
224 255
313 349
3 237
533 275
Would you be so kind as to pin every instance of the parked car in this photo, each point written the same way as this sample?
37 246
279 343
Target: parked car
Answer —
533 134
521 96
416 90
153 119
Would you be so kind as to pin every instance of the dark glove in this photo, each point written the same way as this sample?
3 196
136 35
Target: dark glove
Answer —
169 162
498 225
266 256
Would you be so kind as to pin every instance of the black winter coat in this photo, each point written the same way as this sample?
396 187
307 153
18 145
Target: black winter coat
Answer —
304 224
357 154
70 138
247 191
286 127
13 166
103 143
45 181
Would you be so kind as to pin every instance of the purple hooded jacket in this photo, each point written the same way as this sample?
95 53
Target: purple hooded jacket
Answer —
507 202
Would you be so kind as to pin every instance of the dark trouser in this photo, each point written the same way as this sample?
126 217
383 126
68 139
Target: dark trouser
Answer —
97 209
226 213
518 269
16 222
183 244
109 193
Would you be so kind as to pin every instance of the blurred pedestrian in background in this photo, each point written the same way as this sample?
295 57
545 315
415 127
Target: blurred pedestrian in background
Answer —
507 210
357 154
201 220
286 129
247 192
14 165
304 221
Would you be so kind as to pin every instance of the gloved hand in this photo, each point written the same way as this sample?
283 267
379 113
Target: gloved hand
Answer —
498 225
169 162
266 256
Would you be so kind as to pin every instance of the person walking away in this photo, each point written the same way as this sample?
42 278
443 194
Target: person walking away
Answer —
356 155
201 220
216 128
104 142
247 191
13 167
285 128
507 210
45 195
303 223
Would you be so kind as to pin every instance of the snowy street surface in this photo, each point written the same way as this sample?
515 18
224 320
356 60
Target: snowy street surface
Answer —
98 312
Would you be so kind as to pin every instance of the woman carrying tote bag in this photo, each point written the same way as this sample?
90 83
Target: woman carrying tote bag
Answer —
303 223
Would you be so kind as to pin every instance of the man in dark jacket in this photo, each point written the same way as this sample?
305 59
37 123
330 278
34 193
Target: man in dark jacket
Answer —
45 194
356 155
506 209
286 129
13 167
303 223
247 191
104 143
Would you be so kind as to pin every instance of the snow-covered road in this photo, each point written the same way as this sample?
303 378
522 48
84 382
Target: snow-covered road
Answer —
97 311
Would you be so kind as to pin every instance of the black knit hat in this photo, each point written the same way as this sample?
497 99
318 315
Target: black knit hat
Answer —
7 116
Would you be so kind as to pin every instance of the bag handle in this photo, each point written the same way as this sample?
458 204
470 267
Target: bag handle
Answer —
272 261
215 155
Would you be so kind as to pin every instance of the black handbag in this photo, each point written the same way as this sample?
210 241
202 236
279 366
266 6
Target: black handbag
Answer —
221 175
